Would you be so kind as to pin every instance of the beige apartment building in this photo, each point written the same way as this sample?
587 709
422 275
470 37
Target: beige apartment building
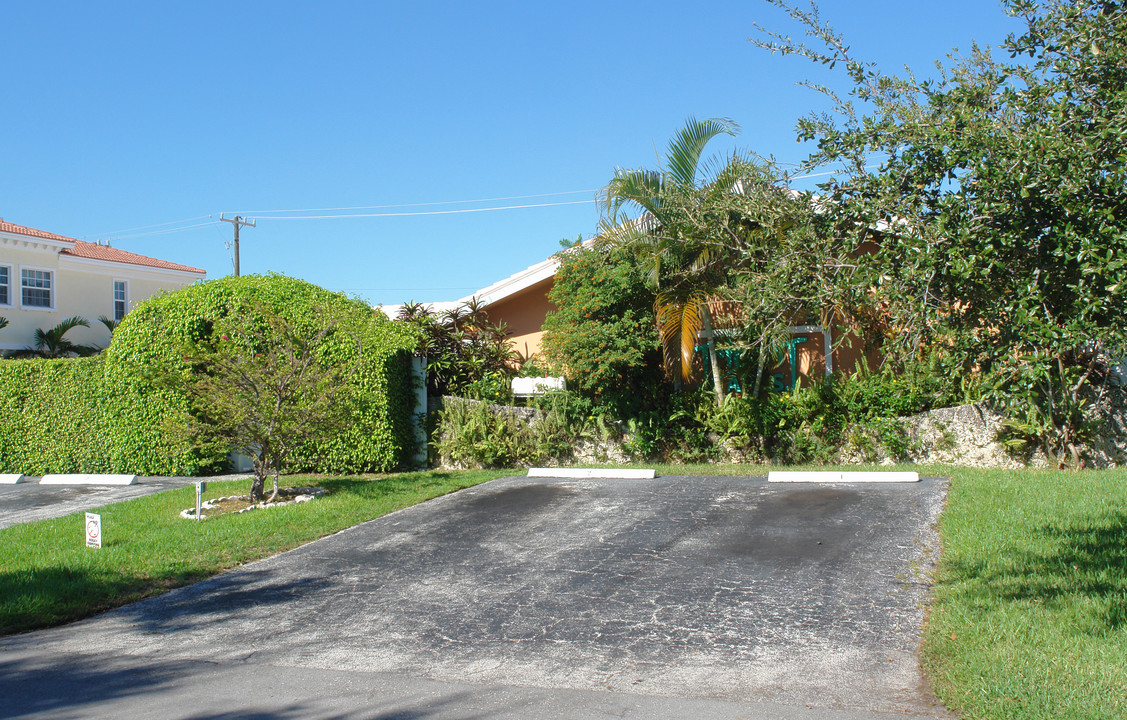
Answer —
46 278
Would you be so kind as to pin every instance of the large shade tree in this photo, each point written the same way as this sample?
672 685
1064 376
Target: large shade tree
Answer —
1003 186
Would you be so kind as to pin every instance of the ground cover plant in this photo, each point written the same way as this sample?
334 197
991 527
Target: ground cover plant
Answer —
48 577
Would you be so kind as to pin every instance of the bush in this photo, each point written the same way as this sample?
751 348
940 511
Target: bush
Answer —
813 424
112 413
467 355
603 336
53 416
474 434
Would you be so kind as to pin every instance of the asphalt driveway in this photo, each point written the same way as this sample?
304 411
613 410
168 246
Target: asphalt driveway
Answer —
523 598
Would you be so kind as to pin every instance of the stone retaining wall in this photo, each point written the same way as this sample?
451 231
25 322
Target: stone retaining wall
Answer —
966 435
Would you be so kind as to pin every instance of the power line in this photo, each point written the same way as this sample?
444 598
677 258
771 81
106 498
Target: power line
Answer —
428 212
146 227
403 205
165 232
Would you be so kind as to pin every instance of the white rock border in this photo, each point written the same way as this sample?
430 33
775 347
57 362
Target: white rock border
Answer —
304 494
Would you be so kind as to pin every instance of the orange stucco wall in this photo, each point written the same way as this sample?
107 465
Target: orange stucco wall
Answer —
524 313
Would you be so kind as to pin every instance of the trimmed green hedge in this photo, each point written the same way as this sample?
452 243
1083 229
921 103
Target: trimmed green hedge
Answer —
51 416
108 413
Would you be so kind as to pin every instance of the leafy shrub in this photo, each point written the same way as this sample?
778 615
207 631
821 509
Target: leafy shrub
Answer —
812 424
111 413
475 434
603 336
53 416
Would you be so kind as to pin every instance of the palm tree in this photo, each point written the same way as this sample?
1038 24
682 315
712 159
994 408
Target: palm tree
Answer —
110 323
53 343
677 236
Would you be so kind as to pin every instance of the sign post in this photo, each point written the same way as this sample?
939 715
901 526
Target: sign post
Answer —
93 530
200 487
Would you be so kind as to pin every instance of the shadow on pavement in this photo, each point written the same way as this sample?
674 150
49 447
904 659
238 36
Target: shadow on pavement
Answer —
33 687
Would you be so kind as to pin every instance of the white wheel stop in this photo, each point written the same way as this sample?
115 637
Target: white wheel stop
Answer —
837 476
589 473
90 479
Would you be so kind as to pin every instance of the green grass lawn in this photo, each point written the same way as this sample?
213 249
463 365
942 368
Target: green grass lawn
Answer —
48 576
1030 612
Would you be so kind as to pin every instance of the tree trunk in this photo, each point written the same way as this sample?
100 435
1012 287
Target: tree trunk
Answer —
762 364
258 487
274 495
713 358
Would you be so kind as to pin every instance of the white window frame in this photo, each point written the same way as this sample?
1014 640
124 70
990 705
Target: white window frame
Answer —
125 300
54 289
10 284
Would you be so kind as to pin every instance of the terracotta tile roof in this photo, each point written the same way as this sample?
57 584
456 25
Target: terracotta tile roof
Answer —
94 251
32 232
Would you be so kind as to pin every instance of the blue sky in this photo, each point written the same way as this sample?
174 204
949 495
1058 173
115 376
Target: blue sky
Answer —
140 122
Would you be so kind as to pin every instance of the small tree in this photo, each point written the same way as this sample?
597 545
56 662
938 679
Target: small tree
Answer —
266 386
685 266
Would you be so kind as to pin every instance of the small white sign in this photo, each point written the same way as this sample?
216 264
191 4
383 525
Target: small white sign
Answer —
93 530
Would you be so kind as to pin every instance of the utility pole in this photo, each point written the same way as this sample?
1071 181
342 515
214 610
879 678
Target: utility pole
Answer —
236 222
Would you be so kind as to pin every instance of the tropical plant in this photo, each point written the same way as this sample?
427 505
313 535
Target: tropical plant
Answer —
722 233
463 348
685 266
53 343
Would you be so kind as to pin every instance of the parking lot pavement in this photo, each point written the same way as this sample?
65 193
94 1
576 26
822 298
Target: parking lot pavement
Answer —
29 501
675 597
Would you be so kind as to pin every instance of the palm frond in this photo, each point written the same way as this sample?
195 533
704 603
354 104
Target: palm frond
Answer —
639 188
679 322
688 144
110 323
67 325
